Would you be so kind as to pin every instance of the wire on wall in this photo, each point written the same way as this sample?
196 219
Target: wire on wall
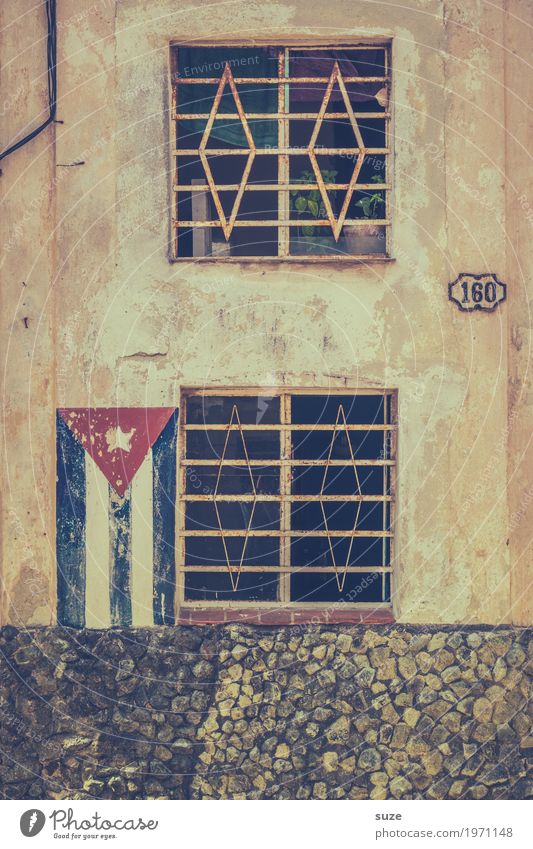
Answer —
52 79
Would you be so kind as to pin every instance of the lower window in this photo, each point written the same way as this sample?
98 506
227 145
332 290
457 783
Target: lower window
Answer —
286 498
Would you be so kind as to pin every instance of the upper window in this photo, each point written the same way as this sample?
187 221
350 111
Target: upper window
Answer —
281 152
285 499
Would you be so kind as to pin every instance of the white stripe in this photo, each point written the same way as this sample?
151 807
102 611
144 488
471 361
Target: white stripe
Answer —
142 534
97 603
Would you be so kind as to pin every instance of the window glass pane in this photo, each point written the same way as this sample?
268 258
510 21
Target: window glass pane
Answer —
315 551
262 206
354 240
334 168
373 169
205 445
352 63
199 205
255 99
225 133
359 587
198 62
254 241
340 480
315 444
190 172
334 133
340 515
234 515
201 480
386 579
307 205
323 409
217 409
211 242
226 170
217 586
312 240
364 97
203 62
209 551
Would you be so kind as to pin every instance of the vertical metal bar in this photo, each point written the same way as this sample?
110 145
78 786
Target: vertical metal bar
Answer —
201 238
388 158
283 158
391 471
311 148
285 476
174 124
384 517
181 506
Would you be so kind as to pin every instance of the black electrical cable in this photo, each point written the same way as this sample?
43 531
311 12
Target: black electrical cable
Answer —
52 79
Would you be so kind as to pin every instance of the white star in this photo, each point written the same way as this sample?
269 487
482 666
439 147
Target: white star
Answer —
117 438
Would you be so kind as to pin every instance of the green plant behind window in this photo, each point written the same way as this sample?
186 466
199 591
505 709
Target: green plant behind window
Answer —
372 204
309 201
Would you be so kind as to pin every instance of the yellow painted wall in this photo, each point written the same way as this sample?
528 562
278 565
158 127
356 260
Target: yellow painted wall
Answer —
110 321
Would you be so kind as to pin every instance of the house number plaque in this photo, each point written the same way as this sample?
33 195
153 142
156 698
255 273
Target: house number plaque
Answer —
477 292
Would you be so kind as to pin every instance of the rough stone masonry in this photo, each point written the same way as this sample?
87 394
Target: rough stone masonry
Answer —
260 713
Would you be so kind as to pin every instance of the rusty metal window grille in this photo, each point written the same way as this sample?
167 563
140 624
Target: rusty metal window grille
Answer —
285 498
281 152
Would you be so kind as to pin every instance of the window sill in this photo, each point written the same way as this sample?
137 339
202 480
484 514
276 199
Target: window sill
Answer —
286 616
369 259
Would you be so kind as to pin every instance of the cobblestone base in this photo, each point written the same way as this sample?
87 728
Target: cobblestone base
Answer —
242 712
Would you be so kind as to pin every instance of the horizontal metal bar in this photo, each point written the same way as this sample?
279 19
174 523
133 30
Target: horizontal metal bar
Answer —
327 607
278 427
279 187
274 80
276 222
274 116
217 462
307 259
275 151
302 45
297 534
306 48
278 498
287 569
263 391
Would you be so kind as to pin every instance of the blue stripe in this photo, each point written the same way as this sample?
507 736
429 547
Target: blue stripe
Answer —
120 556
164 518
70 527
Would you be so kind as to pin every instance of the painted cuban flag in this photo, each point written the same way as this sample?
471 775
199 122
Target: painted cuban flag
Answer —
116 500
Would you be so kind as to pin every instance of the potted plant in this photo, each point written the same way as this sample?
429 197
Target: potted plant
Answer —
368 238
308 204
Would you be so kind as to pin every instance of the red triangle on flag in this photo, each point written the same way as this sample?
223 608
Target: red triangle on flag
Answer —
117 438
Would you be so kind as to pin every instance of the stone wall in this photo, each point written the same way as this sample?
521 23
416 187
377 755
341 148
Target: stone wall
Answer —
241 712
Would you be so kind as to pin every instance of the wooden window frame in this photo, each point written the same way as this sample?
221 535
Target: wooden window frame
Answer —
284 611
283 151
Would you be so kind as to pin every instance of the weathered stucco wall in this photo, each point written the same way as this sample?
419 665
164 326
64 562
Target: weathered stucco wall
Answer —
111 321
